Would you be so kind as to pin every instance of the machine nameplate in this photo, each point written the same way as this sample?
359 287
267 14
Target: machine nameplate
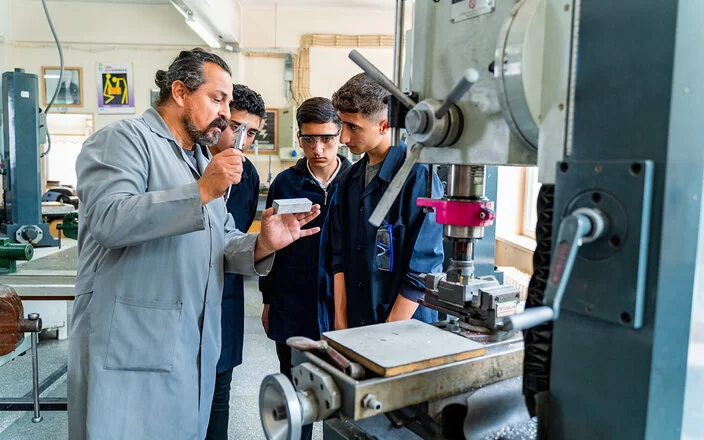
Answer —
466 9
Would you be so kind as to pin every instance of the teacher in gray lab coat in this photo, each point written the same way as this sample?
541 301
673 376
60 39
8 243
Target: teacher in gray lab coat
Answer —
154 241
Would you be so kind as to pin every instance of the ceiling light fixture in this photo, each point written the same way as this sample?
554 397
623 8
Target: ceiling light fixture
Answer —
202 31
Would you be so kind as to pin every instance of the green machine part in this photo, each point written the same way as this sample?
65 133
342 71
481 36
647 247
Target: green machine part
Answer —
11 252
69 227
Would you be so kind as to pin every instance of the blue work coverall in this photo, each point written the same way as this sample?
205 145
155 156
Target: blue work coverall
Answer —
416 240
299 287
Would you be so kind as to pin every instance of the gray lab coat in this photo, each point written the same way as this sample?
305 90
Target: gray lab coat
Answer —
145 336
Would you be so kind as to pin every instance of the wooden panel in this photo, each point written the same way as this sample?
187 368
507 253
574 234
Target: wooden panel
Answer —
401 347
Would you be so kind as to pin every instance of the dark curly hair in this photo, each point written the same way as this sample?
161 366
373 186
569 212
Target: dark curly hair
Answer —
317 111
246 99
187 68
361 94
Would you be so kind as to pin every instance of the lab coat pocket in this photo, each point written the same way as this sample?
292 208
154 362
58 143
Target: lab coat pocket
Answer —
141 334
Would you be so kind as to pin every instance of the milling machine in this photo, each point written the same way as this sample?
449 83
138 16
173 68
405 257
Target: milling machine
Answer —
601 97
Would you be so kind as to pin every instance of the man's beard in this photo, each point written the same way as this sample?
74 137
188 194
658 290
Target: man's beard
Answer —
203 137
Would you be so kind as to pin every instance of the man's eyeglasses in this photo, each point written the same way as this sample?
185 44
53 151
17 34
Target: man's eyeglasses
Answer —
310 140
235 126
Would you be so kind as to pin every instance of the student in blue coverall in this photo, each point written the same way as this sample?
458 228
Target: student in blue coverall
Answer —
246 106
297 293
376 270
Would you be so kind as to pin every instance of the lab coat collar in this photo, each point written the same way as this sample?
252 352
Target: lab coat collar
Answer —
157 125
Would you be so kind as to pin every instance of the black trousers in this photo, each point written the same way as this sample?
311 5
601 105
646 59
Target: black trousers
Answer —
283 352
220 411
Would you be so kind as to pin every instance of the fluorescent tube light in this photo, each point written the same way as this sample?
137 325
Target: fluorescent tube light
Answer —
203 33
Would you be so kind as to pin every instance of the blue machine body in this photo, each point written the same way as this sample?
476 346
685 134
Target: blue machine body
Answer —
22 220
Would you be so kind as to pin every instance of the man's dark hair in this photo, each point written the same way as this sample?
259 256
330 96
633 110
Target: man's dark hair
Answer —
361 94
187 68
317 111
246 99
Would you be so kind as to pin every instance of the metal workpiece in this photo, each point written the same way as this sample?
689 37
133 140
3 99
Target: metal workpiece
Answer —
292 206
241 136
502 361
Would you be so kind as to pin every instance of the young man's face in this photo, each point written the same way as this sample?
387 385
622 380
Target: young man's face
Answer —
206 109
237 117
361 133
320 143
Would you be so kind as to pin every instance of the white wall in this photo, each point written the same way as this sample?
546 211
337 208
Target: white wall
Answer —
107 23
267 27
330 67
150 36
4 30
76 25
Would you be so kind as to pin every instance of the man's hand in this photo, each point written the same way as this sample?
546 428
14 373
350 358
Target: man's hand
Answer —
224 170
265 318
280 230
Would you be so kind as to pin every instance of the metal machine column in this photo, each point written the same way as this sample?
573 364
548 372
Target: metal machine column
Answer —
22 220
620 346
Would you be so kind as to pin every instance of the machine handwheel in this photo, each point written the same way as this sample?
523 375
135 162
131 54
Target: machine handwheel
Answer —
279 408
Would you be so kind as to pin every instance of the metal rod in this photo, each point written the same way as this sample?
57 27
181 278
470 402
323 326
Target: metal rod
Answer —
431 173
47 404
398 59
462 86
35 370
376 74
394 189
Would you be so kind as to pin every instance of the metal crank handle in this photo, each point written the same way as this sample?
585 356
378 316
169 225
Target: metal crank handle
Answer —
376 74
394 189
